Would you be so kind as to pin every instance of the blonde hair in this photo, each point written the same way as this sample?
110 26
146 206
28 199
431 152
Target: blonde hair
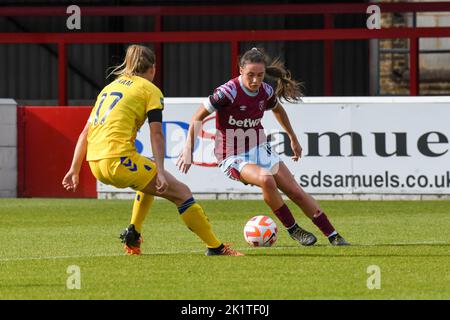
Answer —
138 60
287 88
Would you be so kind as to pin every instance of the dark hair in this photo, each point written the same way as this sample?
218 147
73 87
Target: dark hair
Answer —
287 88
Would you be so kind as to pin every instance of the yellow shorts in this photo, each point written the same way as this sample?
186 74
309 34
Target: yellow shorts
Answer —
134 172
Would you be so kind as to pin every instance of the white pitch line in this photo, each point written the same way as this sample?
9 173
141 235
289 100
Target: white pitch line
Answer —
201 251
88 256
56 257
402 243
123 254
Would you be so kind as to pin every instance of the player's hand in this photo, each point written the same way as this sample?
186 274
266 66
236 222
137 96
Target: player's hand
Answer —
184 161
161 183
297 149
71 181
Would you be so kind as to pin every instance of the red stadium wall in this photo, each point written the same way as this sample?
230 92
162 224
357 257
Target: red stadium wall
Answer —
46 141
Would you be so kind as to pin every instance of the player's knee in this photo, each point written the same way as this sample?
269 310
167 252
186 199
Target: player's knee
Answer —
181 191
268 182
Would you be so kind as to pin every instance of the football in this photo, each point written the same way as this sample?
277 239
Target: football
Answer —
260 231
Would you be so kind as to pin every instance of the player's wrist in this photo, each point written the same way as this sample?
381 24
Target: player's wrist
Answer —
75 170
293 137
188 150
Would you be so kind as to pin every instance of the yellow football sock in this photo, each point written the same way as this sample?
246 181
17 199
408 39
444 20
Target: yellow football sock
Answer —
141 206
195 219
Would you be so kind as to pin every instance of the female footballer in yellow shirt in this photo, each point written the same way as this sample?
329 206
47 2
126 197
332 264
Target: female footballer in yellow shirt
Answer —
109 141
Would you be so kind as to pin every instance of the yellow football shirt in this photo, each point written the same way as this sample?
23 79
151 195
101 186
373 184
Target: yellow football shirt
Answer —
120 110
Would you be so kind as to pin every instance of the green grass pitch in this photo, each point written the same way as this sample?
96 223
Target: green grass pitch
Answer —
40 238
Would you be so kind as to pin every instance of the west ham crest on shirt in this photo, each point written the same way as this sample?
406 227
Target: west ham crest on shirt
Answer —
261 105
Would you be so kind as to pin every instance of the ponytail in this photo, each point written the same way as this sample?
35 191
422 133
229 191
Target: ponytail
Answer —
287 88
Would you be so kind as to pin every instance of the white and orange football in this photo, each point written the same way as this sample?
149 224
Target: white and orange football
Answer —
260 231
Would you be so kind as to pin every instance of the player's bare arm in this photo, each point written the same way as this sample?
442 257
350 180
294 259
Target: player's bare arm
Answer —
71 179
283 120
185 160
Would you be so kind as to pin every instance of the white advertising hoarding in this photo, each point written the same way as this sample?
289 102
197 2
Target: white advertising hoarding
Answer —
350 146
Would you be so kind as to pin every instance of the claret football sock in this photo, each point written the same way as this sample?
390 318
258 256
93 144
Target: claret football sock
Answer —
196 220
141 206
322 222
285 216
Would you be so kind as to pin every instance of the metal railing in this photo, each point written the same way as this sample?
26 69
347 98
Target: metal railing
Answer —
328 34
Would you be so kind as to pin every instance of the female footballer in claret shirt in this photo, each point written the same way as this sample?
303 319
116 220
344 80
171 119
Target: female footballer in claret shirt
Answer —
241 147
108 142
